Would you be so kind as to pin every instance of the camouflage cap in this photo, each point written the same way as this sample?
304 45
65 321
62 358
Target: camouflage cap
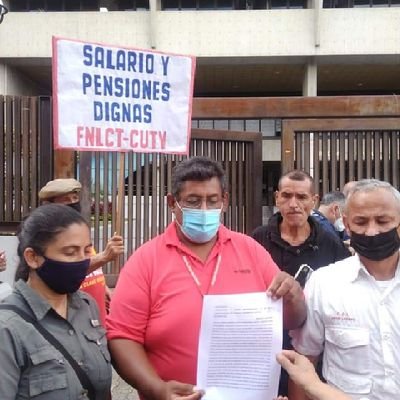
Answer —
58 187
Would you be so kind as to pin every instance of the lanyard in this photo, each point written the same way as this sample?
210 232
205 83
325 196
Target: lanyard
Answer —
194 276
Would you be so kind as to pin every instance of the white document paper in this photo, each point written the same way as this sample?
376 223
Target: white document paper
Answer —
239 338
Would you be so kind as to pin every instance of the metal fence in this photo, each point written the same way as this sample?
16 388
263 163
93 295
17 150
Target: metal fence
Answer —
349 150
25 156
148 180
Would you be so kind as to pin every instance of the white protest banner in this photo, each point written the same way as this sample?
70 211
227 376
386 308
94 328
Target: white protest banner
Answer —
110 98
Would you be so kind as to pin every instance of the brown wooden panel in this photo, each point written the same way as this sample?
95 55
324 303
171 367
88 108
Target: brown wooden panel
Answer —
64 164
287 147
296 107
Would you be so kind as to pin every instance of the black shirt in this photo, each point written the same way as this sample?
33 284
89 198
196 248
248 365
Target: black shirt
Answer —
320 249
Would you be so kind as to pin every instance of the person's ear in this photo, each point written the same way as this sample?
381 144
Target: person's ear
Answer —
276 196
33 260
171 202
315 198
346 223
225 201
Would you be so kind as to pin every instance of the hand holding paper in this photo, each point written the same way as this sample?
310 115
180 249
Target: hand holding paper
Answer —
240 335
294 308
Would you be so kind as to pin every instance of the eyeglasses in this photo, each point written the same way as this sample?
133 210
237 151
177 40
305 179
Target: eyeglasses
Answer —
197 203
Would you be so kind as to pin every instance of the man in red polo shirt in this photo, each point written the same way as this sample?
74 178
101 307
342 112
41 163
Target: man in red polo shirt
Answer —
154 321
67 191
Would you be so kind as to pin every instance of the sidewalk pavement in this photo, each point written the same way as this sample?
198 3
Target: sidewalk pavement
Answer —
120 390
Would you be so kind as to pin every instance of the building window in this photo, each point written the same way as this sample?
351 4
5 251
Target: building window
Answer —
78 5
230 4
268 127
360 3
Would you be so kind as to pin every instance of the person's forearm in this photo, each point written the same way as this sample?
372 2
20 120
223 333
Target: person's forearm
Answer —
322 391
132 364
295 392
96 262
294 313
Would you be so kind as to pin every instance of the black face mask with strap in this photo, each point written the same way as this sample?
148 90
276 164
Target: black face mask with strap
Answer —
76 206
378 247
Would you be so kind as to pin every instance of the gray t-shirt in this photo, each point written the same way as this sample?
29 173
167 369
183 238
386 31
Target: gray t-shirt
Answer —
30 366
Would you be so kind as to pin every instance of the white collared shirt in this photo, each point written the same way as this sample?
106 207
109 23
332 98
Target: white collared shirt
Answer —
356 323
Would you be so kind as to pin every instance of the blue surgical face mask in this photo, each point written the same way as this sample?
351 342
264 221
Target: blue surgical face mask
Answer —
200 226
61 276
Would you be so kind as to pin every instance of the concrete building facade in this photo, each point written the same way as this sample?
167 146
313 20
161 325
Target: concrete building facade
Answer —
252 48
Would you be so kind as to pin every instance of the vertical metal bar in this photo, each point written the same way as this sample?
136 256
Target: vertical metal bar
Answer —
85 160
241 186
96 200
106 178
368 154
306 154
334 163
130 210
227 164
395 158
138 198
169 184
360 155
34 151
298 140
162 195
317 162
155 193
342 159
21 121
325 166
114 189
2 157
8 189
385 155
255 206
146 208
377 154
352 174
234 187
45 136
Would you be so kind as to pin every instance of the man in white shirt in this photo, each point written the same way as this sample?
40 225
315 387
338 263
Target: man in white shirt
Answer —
353 305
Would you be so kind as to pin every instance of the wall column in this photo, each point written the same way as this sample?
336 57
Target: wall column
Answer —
310 79
155 5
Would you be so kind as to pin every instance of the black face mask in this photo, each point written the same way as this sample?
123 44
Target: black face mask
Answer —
378 247
61 276
76 206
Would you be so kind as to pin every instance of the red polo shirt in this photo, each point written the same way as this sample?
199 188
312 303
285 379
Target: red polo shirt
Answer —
157 302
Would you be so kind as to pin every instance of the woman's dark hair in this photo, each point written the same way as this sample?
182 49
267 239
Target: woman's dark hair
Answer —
40 228
197 169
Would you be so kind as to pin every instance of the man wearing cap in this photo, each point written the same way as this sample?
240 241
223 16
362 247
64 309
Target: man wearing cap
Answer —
67 191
